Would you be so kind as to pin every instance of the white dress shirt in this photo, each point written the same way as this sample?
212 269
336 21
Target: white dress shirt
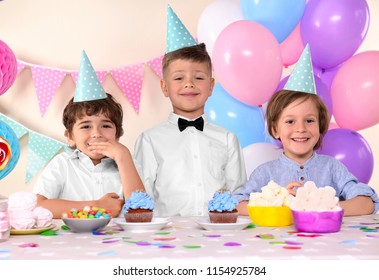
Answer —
74 177
182 170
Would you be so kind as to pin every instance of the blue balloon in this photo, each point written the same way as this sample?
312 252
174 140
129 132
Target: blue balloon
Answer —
8 139
246 122
278 16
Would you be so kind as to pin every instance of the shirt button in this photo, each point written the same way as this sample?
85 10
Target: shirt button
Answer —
302 178
301 167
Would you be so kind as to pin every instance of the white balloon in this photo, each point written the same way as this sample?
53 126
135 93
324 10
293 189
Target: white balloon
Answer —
259 153
215 17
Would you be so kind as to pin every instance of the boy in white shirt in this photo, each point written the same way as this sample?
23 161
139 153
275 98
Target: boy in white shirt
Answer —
184 160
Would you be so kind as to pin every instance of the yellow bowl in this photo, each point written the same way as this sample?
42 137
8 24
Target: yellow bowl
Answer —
270 216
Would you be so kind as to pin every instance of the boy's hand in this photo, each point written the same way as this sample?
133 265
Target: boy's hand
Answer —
292 187
111 202
111 149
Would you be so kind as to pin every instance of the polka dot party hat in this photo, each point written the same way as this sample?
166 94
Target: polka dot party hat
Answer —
177 34
302 78
88 86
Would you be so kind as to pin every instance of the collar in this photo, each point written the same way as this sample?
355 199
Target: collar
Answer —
283 158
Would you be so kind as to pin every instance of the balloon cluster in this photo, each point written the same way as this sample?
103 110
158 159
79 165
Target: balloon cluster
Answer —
250 43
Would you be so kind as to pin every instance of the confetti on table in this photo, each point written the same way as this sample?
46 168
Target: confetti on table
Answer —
3 250
277 242
265 236
167 246
293 243
366 229
348 242
191 246
107 253
292 247
64 227
110 240
49 233
98 233
162 233
232 244
28 245
251 226
212 235
372 236
164 238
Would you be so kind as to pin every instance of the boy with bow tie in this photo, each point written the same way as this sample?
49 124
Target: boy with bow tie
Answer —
186 159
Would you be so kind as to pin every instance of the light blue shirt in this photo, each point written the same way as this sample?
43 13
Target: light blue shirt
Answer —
321 169
182 170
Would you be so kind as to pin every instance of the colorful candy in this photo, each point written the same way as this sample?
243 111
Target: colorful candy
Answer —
87 212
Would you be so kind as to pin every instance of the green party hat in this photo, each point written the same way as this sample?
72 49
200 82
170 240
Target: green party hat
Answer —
177 34
88 86
302 78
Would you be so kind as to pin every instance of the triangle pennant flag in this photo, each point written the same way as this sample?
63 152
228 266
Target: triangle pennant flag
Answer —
156 65
129 80
40 150
18 129
46 82
20 66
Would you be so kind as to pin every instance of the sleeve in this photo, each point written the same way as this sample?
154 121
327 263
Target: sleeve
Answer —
145 162
235 170
51 181
258 178
349 186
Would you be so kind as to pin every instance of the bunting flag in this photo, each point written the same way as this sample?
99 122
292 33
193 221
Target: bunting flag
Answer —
46 82
156 65
41 149
129 80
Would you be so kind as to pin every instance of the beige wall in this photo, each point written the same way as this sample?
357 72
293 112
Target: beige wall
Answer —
114 33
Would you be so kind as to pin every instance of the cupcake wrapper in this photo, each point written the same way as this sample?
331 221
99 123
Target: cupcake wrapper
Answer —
144 217
223 217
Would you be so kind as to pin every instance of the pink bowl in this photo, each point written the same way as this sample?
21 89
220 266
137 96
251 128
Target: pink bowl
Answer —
319 222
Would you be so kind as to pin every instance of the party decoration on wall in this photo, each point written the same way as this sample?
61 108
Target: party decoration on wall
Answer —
349 147
334 29
246 122
88 86
41 148
129 79
9 149
178 35
279 16
354 91
8 67
247 62
302 78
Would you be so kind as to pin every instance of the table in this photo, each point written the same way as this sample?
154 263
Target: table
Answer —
183 238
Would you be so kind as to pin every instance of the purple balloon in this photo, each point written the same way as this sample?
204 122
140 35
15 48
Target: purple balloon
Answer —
326 75
334 29
350 148
321 89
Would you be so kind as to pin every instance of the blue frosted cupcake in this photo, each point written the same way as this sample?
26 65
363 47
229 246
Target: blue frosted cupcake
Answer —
138 208
223 208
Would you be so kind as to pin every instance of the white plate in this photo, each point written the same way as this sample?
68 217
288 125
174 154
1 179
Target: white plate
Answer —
157 223
241 223
31 231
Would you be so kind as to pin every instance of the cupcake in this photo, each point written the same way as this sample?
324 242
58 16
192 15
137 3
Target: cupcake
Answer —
222 208
138 208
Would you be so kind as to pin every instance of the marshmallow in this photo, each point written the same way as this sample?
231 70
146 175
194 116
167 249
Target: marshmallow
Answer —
22 201
43 217
21 219
272 195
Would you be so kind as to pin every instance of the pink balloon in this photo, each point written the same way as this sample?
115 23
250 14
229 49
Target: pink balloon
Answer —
247 62
8 67
292 47
355 91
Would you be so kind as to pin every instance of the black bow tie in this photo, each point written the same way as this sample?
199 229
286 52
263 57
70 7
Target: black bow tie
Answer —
198 123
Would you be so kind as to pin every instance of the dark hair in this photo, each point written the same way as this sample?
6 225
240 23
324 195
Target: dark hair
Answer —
196 53
107 106
281 99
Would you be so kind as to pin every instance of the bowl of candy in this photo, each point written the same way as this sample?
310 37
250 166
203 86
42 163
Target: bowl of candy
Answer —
87 219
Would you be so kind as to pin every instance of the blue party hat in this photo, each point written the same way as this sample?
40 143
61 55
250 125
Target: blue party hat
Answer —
177 34
302 78
88 86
